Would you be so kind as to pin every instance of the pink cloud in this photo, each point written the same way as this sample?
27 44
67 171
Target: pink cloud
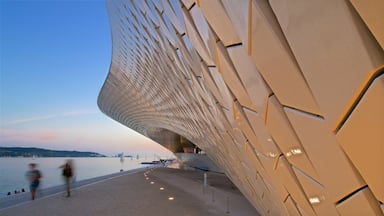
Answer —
48 137
6 132
18 135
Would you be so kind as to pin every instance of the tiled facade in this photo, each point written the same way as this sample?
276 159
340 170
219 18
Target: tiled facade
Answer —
286 96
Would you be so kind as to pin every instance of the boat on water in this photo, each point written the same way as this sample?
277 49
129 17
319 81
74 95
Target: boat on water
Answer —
150 162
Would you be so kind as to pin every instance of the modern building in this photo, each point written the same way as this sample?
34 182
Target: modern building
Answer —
286 97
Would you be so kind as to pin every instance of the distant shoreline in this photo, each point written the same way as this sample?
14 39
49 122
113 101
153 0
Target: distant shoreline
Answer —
39 152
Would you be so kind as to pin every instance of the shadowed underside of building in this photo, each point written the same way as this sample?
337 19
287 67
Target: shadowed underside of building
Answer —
286 97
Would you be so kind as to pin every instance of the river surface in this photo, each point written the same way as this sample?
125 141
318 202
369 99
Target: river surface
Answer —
12 170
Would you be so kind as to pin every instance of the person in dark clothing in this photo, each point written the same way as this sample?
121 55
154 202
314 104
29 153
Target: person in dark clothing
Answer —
67 172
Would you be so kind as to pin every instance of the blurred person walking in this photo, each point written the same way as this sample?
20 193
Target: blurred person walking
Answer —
33 176
67 174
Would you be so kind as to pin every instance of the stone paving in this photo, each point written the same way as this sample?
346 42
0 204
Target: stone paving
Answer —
158 191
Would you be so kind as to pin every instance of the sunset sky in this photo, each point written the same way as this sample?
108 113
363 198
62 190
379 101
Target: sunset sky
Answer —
55 56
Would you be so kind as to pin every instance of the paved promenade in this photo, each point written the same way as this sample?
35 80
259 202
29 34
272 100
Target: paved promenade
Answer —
159 191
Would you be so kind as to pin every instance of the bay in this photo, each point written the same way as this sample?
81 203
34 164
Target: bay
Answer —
12 170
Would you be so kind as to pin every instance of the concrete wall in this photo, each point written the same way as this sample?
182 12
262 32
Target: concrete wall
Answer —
287 97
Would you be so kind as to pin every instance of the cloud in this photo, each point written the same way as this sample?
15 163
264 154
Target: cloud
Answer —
77 113
6 132
47 117
47 137
16 135
15 131
29 119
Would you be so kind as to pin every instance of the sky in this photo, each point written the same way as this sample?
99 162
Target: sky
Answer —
54 58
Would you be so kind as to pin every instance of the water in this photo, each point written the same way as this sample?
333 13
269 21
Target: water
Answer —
12 170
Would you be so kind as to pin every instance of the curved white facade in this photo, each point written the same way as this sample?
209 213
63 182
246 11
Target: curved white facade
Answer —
287 97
